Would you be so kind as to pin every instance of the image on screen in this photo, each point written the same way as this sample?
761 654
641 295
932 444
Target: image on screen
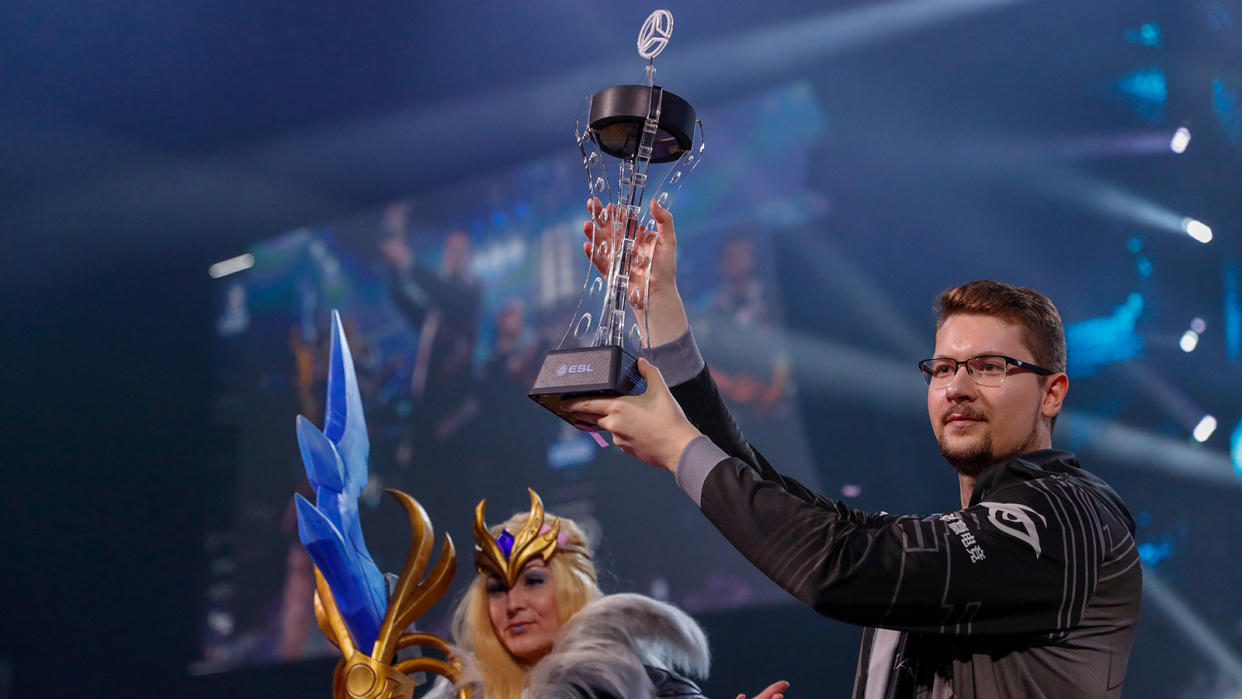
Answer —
449 300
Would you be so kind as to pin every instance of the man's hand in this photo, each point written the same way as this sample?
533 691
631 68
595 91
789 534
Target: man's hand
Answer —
773 691
650 427
666 315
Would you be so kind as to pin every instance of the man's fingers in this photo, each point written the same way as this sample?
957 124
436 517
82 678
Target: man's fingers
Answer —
650 372
596 255
659 213
774 690
593 407
663 217
644 247
580 406
664 237
605 423
598 210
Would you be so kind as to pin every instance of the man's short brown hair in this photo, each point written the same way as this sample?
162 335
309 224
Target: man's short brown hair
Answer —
1043 332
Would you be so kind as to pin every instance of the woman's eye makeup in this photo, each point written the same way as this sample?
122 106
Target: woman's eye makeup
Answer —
534 579
495 587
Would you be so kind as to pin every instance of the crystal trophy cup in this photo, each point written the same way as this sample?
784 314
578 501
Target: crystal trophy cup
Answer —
641 133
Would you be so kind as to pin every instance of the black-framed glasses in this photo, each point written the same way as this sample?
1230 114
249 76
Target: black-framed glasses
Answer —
985 369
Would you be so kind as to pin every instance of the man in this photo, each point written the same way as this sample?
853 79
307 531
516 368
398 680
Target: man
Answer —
442 305
1032 589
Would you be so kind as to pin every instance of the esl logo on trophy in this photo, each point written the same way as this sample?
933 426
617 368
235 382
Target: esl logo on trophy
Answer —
646 133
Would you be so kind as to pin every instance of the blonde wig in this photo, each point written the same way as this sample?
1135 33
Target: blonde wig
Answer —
576 585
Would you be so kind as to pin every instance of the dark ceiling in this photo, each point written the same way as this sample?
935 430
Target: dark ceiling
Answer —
150 129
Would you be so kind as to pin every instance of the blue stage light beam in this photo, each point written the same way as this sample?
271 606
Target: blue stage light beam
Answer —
770 51
870 378
1097 437
1195 630
1149 142
1119 203
328 171
380 148
1164 393
853 287
892 387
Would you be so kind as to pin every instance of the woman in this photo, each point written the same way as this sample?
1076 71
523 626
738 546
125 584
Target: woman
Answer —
534 623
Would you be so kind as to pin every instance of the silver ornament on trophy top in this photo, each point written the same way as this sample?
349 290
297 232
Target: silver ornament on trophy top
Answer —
634 127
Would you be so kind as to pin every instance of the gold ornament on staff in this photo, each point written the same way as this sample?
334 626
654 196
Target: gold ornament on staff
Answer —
362 676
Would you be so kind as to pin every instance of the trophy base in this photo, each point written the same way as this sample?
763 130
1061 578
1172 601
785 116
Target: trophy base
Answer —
585 371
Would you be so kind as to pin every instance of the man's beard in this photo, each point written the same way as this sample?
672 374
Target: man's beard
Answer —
974 460
979 456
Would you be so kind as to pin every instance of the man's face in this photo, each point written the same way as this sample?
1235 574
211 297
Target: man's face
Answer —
511 319
737 260
456 252
978 426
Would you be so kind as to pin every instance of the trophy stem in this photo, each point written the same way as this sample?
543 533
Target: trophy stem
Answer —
632 183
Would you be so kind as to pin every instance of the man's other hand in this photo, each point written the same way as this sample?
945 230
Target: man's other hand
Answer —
772 691
650 427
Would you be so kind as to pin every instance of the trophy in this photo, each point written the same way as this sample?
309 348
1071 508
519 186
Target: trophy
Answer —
640 132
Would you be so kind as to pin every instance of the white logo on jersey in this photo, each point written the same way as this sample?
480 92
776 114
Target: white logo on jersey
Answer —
1013 513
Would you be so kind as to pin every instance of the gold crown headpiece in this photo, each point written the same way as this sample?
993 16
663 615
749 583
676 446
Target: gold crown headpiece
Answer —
505 555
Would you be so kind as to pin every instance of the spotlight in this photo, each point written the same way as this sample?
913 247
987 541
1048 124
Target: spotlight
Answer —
1181 139
1204 429
1198 325
231 265
1190 340
1197 229
1147 35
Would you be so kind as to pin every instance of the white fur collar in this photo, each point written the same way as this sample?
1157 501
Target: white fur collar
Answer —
605 646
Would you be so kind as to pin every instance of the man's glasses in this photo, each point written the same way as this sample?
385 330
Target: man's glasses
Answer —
985 369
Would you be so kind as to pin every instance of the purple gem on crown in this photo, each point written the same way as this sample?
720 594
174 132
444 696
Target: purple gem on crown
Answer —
505 542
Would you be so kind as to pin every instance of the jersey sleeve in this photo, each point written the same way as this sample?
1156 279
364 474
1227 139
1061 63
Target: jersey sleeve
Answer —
1024 560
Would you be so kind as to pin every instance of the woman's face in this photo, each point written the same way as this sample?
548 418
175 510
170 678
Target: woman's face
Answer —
525 617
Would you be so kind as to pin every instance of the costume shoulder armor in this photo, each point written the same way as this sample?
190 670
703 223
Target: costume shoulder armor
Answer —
610 644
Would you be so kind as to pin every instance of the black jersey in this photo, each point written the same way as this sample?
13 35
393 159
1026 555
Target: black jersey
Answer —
1033 590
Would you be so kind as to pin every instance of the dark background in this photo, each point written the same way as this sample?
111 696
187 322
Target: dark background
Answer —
1026 141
